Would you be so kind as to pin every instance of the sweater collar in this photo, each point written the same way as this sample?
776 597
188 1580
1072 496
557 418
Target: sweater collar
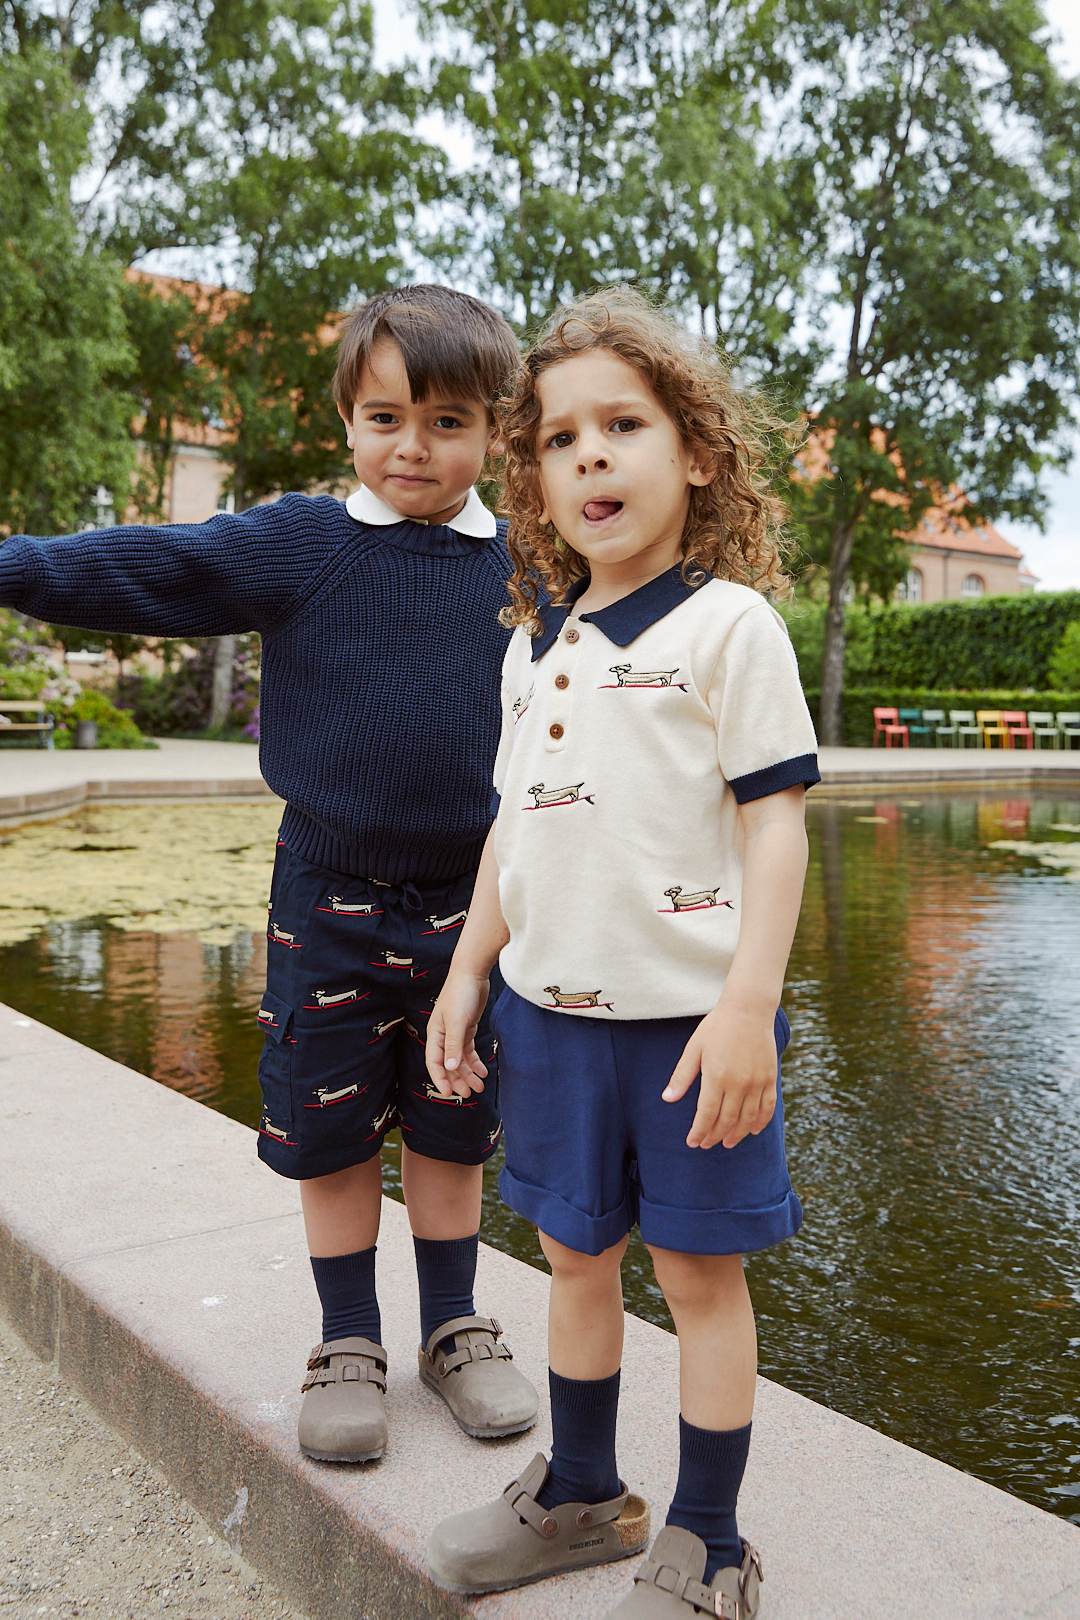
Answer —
622 621
474 519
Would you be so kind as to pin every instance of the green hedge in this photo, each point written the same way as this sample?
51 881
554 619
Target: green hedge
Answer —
861 701
996 641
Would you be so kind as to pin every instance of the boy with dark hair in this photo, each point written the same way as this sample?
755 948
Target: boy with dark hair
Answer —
379 724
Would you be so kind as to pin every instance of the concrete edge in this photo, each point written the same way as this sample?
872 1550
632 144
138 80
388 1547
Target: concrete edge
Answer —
48 803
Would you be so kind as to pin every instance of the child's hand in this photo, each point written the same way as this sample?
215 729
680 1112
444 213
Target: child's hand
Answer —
452 1060
734 1051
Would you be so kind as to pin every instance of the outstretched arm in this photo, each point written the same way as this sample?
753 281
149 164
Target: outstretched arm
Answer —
233 573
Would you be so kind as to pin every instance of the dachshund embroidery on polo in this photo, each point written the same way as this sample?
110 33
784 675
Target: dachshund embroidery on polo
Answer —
325 1098
626 676
382 1121
379 1032
547 798
278 936
572 1000
275 1133
334 998
439 925
431 1093
701 901
350 908
522 703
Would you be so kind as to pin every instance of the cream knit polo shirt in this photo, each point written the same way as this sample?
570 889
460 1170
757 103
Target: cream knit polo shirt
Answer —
630 736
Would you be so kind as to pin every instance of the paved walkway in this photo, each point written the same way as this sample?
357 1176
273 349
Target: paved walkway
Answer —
36 782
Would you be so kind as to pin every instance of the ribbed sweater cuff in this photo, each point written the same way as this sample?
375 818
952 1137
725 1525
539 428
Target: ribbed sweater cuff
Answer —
12 574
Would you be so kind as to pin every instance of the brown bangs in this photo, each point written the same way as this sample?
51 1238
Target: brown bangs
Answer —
451 344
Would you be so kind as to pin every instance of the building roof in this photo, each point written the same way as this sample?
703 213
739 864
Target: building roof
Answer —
945 528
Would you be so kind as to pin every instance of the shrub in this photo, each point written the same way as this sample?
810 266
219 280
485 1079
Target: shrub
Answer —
997 641
178 702
1064 668
116 728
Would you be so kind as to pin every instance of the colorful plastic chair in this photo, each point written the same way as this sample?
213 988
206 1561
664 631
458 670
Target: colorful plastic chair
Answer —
989 723
963 721
887 726
1043 724
1069 727
1017 729
915 720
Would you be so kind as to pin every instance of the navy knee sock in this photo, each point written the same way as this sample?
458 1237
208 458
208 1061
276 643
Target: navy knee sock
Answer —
583 1417
346 1285
711 1467
446 1272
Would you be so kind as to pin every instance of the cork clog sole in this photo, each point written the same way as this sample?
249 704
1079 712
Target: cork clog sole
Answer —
631 1527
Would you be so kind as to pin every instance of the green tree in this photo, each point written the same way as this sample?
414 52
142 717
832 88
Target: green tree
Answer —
938 141
169 380
63 350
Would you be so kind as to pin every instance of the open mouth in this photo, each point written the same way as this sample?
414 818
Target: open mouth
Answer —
597 512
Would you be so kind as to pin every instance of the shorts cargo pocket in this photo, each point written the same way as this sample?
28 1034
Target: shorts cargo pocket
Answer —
275 1069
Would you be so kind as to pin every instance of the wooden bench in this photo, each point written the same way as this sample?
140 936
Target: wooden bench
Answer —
22 709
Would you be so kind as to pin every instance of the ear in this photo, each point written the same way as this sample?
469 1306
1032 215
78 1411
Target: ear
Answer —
348 421
496 445
545 517
700 467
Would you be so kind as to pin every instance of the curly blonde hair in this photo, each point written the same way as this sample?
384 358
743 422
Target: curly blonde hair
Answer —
734 526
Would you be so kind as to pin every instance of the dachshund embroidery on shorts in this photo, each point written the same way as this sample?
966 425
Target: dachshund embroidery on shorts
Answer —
702 900
325 1097
275 1133
573 1000
379 1032
383 1122
278 936
439 925
350 908
626 676
431 1093
521 704
546 798
401 964
334 998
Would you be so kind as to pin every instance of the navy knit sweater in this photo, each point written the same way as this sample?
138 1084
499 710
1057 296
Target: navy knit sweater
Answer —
379 712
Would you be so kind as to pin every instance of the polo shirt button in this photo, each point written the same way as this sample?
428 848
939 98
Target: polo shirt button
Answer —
573 635
562 682
555 731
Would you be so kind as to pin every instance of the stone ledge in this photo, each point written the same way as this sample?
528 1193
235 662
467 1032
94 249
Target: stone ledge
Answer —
144 1247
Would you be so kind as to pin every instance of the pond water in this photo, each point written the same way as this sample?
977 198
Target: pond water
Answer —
932 1086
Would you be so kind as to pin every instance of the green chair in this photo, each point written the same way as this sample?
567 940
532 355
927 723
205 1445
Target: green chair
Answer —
1069 726
914 719
936 719
1043 724
964 722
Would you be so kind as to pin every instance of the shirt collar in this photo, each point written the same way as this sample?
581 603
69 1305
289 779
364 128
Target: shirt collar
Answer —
474 518
621 622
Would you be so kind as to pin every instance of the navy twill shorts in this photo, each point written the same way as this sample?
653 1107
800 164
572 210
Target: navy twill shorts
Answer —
592 1150
353 970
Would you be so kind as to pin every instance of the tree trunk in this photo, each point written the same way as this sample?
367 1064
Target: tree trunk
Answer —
221 692
832 664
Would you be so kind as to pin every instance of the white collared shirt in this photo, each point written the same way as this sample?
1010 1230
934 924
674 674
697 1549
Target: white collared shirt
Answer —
474 519
630 737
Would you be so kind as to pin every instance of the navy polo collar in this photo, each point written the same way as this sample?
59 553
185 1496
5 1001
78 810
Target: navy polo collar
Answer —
623 621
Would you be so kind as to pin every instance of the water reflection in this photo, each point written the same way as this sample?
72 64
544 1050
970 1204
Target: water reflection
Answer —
932 1086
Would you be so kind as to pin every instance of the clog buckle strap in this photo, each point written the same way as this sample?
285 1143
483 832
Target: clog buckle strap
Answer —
668 1578
529 1510
477 1339
358 1364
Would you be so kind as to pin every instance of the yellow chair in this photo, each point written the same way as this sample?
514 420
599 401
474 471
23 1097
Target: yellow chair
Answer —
991 725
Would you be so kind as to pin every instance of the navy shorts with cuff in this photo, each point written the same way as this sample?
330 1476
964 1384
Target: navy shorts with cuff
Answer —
592 1150
353 970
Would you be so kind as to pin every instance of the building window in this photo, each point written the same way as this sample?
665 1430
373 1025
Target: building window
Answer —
910 588
974 585
226 501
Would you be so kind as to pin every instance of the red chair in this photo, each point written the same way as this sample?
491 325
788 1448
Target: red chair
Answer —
887 725
1016 725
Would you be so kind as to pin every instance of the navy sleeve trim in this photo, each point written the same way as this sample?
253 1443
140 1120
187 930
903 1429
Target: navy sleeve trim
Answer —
775 778
12 573
496 800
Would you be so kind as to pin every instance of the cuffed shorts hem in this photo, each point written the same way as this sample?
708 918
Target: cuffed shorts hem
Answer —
586 1234
448 1152
719 1231
298 1165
